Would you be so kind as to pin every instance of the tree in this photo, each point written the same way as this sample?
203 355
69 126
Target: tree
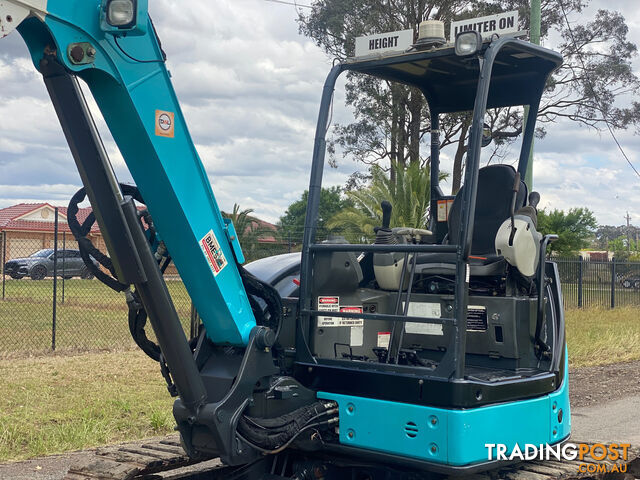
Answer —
608 233
331 202
391 121
409 193
249 230
574 229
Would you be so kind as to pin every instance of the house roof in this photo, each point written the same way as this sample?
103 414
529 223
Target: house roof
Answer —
13 218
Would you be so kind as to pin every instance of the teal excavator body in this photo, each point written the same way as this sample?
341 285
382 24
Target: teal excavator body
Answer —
393 359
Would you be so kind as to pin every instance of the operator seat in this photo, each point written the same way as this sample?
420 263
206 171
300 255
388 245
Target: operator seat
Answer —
493 207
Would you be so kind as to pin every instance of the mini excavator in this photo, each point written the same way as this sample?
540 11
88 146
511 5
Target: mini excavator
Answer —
385 360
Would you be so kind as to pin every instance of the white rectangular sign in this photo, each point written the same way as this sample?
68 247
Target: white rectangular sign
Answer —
384 42
501 24
428 310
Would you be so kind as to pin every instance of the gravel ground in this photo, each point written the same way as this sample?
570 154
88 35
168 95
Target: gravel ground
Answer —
589 386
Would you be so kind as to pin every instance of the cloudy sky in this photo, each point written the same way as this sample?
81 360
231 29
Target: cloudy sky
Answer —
250 87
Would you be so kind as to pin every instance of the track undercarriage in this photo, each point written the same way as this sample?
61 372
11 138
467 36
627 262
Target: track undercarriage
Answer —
165 459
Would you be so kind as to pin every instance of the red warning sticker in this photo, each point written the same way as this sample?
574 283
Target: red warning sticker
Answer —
213 252
329 301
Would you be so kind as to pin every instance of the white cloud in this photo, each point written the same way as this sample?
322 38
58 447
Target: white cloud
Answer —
250 87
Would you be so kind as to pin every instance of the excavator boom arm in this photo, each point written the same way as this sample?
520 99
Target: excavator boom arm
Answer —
124 67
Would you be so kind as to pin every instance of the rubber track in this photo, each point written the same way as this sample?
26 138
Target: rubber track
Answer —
167 459
135 460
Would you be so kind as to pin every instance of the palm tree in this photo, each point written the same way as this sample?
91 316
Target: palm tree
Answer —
247 228
409 194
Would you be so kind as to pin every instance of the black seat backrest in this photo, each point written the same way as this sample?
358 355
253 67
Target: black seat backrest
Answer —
493 207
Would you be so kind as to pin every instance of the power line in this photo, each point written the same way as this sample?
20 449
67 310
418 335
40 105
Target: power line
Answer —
604 115
295 4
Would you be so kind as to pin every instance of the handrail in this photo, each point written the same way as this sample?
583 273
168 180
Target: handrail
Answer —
401 248
539 343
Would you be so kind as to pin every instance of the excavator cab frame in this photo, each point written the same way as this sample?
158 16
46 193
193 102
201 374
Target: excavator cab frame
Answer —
504 72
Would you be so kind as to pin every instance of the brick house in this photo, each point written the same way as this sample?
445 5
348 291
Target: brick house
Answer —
29 227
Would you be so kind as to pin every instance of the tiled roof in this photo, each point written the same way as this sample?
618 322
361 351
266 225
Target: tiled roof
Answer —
10 218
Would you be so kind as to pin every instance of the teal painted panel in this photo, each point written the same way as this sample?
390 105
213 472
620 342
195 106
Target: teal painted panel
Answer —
456 437
398 428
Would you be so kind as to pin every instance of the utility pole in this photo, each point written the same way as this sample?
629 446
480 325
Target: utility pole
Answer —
534 37
628 219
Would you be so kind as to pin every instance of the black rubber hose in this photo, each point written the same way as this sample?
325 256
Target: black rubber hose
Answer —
287 418
268 438
137 315
87 249
137 322
266 292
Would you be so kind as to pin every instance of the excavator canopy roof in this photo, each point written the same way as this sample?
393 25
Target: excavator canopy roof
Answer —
450 81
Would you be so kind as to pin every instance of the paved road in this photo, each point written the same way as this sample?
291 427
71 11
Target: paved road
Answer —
617 421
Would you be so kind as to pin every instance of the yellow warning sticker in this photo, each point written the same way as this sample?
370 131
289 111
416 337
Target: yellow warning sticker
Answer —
165 124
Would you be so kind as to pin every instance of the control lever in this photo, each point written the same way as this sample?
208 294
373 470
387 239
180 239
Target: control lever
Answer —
534 199
386 214
386 217
516 189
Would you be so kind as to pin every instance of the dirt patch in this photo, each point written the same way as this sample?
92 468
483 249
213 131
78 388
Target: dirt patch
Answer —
595 385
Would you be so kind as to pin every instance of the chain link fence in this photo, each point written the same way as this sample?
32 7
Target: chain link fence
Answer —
607 284
40 313
50 301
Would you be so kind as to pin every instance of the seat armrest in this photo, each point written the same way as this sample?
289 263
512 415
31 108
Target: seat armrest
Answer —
428 239
541 347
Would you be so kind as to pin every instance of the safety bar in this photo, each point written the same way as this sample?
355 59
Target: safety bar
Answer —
401 248
540 344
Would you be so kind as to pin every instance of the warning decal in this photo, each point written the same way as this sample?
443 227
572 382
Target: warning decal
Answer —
165 124
444 209
213 252
332 304
329 303
351 322
384 339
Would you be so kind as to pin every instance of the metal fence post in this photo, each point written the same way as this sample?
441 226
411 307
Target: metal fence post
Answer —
55 279
4 260
613 282
580 282
64 255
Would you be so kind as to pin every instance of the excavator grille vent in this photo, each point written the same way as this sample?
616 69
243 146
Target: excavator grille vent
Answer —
411 429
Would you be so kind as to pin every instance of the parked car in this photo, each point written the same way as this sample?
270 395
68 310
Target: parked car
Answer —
631 281
40 265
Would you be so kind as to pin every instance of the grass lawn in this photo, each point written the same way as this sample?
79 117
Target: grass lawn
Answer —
53 404
92 317
603 336
62 403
